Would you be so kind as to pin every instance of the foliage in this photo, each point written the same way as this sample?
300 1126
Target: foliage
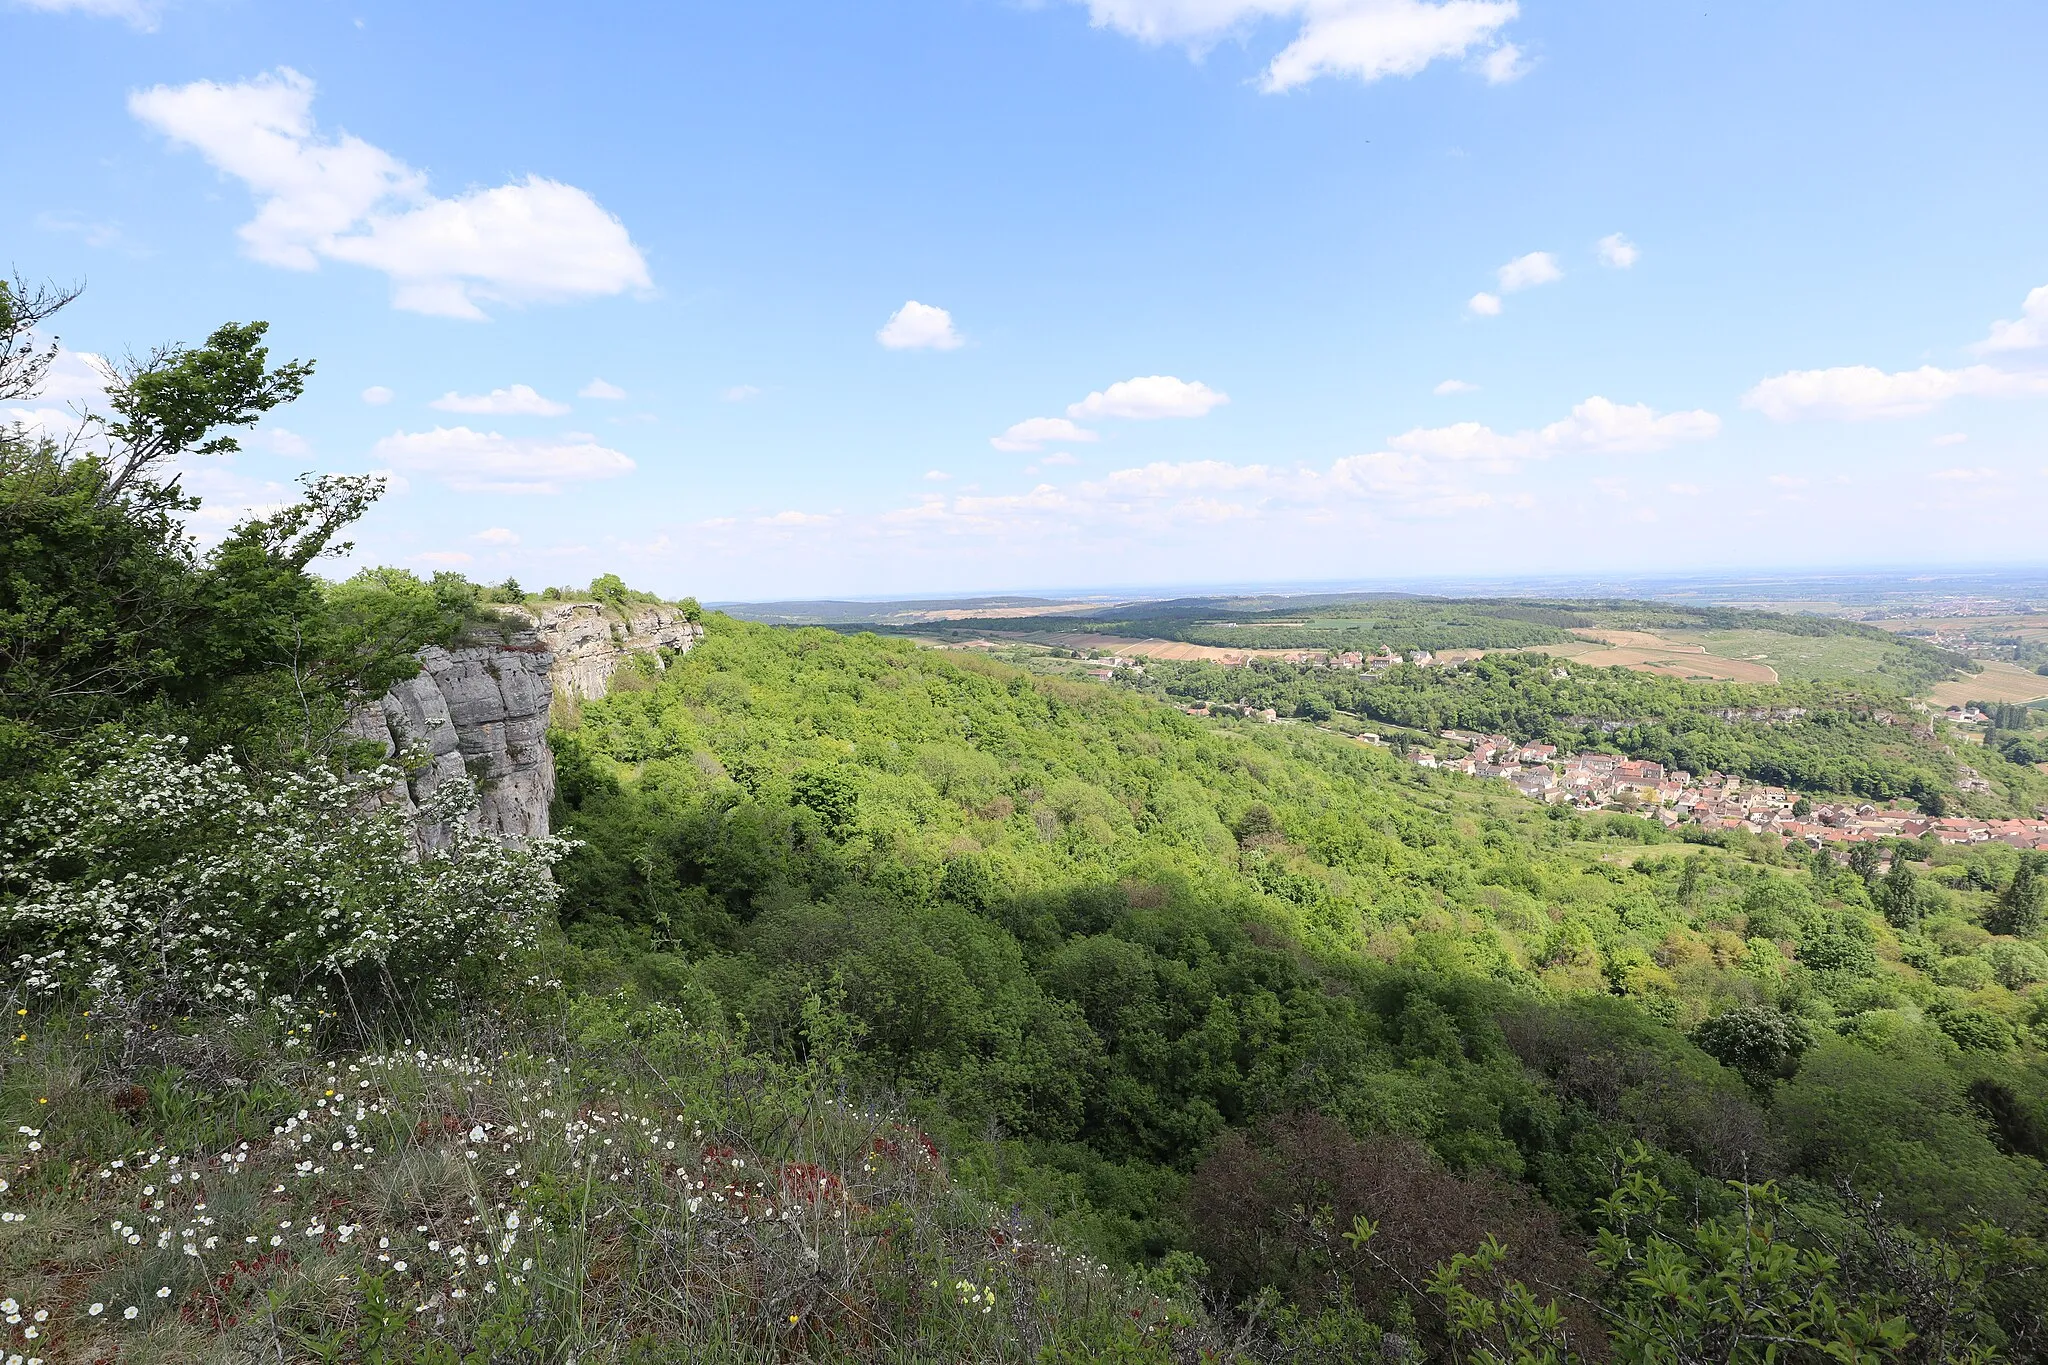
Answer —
108 611
149 885
1762 1043
1822 738
2024 902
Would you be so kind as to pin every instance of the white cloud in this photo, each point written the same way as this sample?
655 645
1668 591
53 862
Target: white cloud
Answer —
1153 396
1366 39
1504 64
142 14
1198 494
598 388
520 400
1981 474
1484 304
1617 252
1526 272
740 393
1035 433
1597 426
93 232
1951 438
377 395
2024 333
793 518
1858 392
73 384
448 557
919 327
530 241
1684 490
486 462
279 441
497 535
1789 480
937 475
1451 386
1061 457
75 377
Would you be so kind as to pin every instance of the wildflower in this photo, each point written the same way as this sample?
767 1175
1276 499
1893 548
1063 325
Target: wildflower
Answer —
130 1312
95 1310
164 1292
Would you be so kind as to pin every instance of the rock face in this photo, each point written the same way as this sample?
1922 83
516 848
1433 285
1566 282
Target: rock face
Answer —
589 643
479 709
483 708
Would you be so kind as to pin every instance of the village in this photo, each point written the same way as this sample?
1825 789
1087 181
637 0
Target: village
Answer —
1673 797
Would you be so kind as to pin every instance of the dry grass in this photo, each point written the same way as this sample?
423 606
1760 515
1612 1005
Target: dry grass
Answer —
625 1189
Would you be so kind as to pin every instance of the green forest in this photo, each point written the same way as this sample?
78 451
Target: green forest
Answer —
1821 738
871 1002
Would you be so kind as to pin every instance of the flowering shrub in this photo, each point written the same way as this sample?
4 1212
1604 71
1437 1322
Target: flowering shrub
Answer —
163 884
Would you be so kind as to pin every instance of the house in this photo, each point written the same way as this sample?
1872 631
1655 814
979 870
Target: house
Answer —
1537 753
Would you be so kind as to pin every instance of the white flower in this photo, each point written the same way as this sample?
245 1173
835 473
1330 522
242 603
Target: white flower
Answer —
95 1310
130 1312
164 1292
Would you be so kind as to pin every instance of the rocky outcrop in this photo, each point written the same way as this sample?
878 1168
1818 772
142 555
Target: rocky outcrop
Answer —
475 709
483 708
590 642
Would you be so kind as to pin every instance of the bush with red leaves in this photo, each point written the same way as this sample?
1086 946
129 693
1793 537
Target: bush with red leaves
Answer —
1271 1207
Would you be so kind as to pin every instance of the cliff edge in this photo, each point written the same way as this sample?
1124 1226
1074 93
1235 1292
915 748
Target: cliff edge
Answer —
483 708
590 642
480 709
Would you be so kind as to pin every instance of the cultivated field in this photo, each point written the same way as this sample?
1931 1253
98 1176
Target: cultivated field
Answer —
1154 649
1643 651
1998 682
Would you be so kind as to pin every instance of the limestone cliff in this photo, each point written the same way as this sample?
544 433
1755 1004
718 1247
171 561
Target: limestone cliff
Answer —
589 642
480 709
483 706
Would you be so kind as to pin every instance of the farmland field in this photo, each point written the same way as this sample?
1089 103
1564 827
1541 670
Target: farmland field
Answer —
1998 682
1796 658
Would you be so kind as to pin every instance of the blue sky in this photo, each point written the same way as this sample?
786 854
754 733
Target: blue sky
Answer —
1278 290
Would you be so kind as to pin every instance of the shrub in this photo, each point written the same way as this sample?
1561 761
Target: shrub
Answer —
1762 1043
1268 1209
149 880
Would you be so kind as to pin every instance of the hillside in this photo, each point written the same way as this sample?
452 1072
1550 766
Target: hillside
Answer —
1856 739
861 1001
1711 642
1114 933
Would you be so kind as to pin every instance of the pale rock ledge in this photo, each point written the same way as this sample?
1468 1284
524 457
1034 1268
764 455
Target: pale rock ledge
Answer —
483 708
